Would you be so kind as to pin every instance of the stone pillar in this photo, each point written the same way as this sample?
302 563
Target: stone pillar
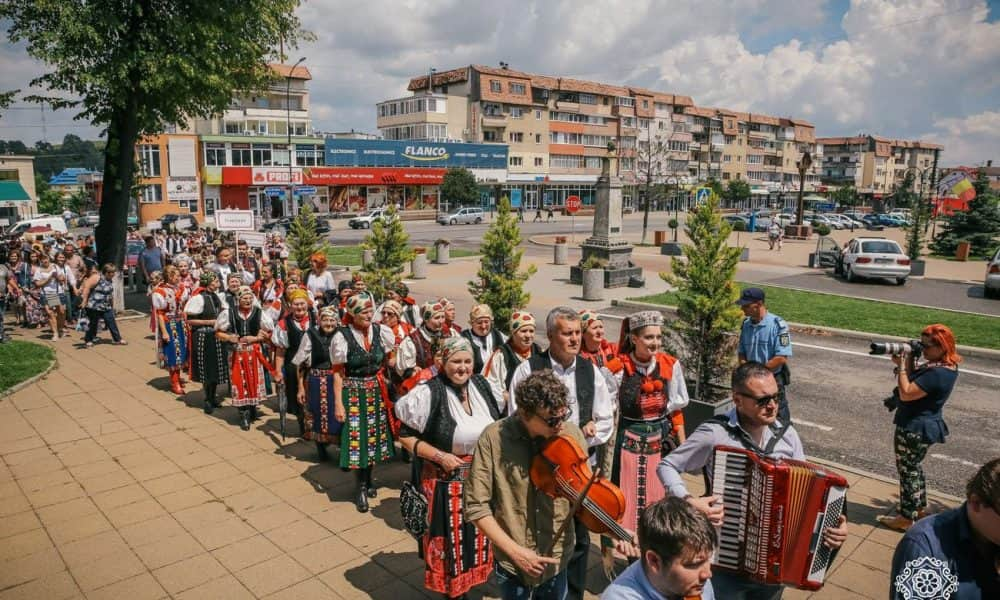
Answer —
418 267
367 256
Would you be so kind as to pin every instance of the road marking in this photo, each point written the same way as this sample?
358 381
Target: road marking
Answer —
798 422
954 460
883 357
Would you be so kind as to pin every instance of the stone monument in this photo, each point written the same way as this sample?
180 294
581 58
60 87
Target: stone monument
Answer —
606 243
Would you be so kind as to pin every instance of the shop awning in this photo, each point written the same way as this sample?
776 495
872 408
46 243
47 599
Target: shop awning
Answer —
13 191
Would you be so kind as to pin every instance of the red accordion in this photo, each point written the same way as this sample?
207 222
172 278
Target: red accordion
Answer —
775 511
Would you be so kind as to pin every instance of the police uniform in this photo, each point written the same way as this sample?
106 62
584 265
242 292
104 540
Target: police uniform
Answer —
760 342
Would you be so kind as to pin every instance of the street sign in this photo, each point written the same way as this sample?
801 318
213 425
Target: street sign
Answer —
701 196
304 190
274 191
234 220
572 204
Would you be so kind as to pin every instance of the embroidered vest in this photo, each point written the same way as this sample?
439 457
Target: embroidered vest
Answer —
478 361
630 390
440 430
424 349
245 327
211 306
361 362
512 360
583 377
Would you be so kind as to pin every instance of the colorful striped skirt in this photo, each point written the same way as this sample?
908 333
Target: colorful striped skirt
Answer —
365 439
320 424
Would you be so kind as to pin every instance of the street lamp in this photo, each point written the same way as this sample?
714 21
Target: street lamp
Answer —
288 127
802 165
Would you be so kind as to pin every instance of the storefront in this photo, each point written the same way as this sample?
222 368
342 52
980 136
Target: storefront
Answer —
359 189
264 190
540 191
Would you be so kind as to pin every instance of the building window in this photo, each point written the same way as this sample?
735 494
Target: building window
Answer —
489 136
645 103
643 123
149 157
233 127
149 194
539 161
676 146
516 112
623 101
516 88
538 138
262 155
215 155
492 110
588 99
538 115
496 86
241 155
516 137
516 161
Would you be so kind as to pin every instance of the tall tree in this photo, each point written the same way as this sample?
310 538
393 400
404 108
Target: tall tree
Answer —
459 187
135 66
501 280
390 248
979 224
737 191
846 196
303 240
651 166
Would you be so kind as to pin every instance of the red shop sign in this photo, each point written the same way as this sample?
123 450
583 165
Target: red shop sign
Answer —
372 176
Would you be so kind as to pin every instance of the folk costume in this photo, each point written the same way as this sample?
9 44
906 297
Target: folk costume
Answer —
172 346
269 295
312 357
401 330
482 346
450 327
247 363
287 338
417 351
457 556
500 367
366 439
208 364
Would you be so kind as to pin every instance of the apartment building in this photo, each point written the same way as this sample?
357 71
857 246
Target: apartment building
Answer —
875 165
558 129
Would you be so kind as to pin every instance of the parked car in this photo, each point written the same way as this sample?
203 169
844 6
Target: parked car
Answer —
991 285
132 250
733 219
366 221
825 220
284 224
90 219
873 257
467 215
845 221
872 223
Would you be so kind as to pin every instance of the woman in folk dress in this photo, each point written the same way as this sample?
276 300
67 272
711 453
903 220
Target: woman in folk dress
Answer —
247 328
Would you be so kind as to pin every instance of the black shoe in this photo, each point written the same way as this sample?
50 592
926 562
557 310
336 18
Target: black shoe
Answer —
245 420
209 406
361 501
370 488
321 450
254 414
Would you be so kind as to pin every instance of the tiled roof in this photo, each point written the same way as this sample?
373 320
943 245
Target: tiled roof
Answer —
300 72
916 144
840 141
442 78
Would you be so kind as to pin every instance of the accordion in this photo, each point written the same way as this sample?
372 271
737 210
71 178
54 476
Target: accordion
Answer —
775 511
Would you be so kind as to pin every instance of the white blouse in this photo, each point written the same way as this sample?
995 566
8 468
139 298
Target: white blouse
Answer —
222 323
196 304
677 394
317 284
338 348
414 410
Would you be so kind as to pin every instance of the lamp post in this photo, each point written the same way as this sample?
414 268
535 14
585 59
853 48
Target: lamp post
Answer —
802 165
288 128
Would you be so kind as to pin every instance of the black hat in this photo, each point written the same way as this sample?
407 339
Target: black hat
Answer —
751 295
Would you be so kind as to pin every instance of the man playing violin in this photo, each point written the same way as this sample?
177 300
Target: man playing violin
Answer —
676 542
519 519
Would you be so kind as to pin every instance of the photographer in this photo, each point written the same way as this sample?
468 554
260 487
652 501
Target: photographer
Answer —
921 392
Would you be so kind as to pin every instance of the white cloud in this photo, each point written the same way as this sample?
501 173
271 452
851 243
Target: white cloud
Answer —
973 138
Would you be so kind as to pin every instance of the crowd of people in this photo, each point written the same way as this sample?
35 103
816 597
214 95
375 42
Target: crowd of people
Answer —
369 379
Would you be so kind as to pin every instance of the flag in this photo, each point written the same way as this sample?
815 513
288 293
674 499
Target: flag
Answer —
957 185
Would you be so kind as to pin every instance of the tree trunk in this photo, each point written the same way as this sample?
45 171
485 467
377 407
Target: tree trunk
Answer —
645 216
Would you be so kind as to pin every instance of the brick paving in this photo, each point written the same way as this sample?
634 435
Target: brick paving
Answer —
112 487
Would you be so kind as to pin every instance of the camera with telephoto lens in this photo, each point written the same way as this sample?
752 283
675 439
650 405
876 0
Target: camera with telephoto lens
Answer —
914 347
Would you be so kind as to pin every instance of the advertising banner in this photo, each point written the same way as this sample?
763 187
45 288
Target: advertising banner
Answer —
373 176
182 189
271 176
410 153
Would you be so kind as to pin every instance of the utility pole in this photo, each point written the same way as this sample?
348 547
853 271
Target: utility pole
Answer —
288 130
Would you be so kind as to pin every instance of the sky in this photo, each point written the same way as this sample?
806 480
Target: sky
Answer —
905 69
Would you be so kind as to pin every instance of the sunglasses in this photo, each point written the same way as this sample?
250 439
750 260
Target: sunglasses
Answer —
555 421
762 400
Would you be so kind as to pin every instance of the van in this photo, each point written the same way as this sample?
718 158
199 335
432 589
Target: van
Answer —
53 223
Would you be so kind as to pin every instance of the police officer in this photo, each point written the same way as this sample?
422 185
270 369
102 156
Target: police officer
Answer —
764 338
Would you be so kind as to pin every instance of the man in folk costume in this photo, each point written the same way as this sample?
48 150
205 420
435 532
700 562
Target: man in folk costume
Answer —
315 389
208 355
168 302
247 328
360 352
482 335
519 347
450 327
287 338
418 349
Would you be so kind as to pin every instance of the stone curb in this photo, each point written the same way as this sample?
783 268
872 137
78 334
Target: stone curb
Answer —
869 475
987 353
32 380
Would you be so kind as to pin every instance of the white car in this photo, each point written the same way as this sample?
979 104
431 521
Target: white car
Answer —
366 221
874 257
846 221
826 220
991 285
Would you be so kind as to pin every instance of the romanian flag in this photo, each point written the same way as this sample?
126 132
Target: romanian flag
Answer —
957 185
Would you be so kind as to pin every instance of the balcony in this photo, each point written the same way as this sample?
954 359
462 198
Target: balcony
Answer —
274 113
762 135
499 121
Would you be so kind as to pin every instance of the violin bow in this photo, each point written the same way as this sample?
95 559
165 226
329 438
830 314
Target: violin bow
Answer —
575 506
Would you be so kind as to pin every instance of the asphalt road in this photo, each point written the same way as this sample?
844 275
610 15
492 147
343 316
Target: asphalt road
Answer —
836 400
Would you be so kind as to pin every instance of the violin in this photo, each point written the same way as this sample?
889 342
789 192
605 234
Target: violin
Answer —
561 471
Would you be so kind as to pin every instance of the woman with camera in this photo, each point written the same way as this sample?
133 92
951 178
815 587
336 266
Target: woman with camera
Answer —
922 391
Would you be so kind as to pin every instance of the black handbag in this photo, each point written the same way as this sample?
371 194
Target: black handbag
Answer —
413 506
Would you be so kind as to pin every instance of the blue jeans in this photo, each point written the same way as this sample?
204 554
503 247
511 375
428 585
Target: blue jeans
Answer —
109 320
731 587
512 588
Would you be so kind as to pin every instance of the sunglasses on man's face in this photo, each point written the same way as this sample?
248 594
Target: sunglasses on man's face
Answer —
762 401
555 421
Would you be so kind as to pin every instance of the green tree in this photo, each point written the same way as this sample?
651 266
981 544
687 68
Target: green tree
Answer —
715 185
737 191
134 67
303 241
707 315
846 196
979 224
50 201
501 280
459 187
390 246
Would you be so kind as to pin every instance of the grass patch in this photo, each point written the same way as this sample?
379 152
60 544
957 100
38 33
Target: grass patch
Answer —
22 360
879 318
350 256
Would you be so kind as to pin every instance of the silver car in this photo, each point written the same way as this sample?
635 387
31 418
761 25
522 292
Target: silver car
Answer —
467 215
991 285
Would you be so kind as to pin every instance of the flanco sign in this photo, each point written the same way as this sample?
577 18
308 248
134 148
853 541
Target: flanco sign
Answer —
387 153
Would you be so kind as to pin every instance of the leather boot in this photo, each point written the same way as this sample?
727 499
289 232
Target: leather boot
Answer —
175 383
244 418
361 495
370 489
209 398
302 425
321 451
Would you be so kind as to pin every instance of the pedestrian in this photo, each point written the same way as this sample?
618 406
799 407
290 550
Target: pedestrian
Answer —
287 337
953 554
752 424
450 327
921 393
169 299
519 347
520 214
591 409
359 352
551 216
151 259
52 285
765 338
246 328
208 364
97 300
482 335
441 425
774 235
7 287
538 216
69 291
595 345
318 280
417 351
314 389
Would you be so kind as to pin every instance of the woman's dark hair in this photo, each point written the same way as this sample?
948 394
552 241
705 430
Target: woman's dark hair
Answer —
541 390
673 528
985 485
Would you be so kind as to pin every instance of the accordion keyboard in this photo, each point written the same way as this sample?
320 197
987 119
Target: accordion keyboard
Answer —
730 481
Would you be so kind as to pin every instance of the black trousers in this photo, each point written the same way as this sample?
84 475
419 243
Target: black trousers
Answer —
576 570
784 414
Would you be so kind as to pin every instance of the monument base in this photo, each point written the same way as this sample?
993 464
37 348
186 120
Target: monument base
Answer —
613 277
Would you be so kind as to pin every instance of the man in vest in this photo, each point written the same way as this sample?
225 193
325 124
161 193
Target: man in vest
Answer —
591 408
485 339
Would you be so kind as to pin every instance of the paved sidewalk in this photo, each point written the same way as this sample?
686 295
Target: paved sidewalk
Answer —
112 487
